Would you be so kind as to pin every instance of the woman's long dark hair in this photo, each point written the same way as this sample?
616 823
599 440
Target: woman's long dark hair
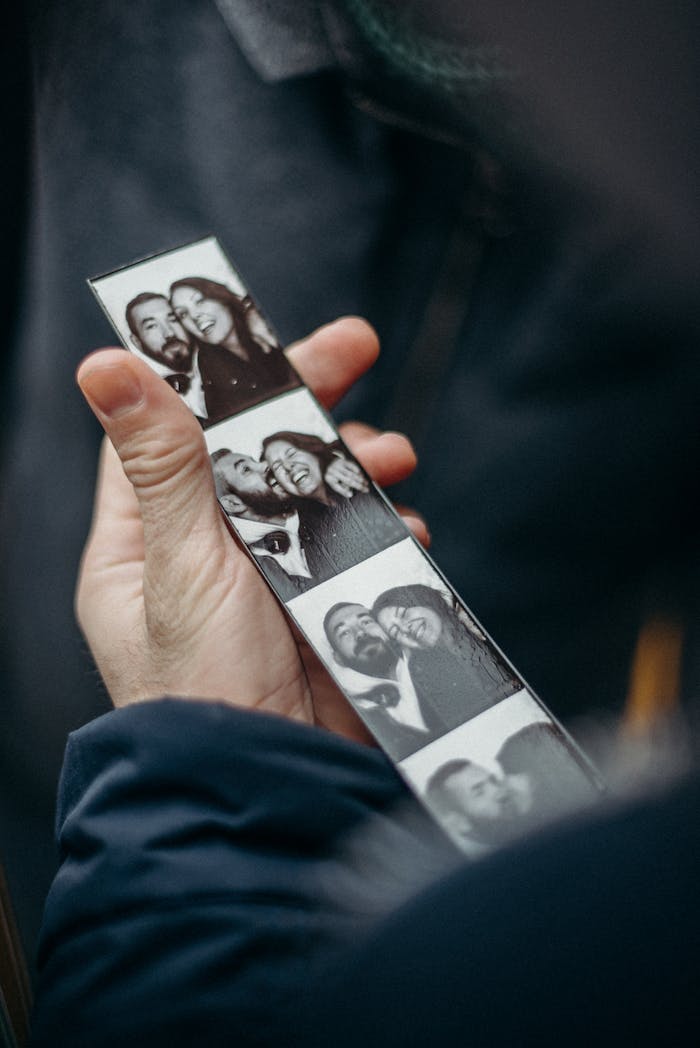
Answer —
417 595
237 305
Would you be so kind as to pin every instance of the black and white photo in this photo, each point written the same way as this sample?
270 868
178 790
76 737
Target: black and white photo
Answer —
413 661
503 774
416 666
187 313
295 496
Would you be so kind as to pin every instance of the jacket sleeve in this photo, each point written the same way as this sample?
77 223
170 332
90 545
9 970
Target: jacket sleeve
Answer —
193 839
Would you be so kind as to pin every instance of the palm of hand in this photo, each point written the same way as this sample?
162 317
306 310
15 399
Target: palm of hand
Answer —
167 600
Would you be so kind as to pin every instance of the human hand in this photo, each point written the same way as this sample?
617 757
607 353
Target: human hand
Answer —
344 477
167 600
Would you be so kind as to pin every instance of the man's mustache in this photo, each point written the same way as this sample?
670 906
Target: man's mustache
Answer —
364 642
173 340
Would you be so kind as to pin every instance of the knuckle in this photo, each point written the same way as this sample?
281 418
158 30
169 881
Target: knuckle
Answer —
157 463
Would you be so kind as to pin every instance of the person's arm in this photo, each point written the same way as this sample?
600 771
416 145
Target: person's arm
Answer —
192 832
188 906
168 602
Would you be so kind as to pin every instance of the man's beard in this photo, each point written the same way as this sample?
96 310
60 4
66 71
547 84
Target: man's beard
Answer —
380 663
177 354
265 504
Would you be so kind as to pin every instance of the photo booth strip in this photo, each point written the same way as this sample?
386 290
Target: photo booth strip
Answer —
477 747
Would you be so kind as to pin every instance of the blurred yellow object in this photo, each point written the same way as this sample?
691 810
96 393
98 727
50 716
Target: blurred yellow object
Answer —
655 675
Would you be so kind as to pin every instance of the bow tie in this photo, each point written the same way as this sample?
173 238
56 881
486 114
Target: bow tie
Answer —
384 695
179 381
274 542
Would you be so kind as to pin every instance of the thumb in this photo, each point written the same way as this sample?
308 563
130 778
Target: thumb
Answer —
161 448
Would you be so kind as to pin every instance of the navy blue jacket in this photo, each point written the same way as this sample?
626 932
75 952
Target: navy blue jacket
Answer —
188 904
204 898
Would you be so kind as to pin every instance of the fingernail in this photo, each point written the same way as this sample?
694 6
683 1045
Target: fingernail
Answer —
419 520
112 388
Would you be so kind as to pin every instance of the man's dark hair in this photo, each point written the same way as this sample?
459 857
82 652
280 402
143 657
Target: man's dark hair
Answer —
435 786
262 504
222 485
331 612
145 296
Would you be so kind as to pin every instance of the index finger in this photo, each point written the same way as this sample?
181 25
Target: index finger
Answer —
334 357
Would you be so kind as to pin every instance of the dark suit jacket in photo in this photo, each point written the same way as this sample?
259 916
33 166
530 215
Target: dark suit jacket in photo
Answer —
400 740
335 538
450 691
231 384
339 536
462 685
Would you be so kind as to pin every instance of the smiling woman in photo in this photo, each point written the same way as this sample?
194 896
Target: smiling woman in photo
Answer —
299 462
441 647
419 618
214 314
239 362
340 524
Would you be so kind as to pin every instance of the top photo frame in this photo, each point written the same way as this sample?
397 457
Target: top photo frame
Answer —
188 314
